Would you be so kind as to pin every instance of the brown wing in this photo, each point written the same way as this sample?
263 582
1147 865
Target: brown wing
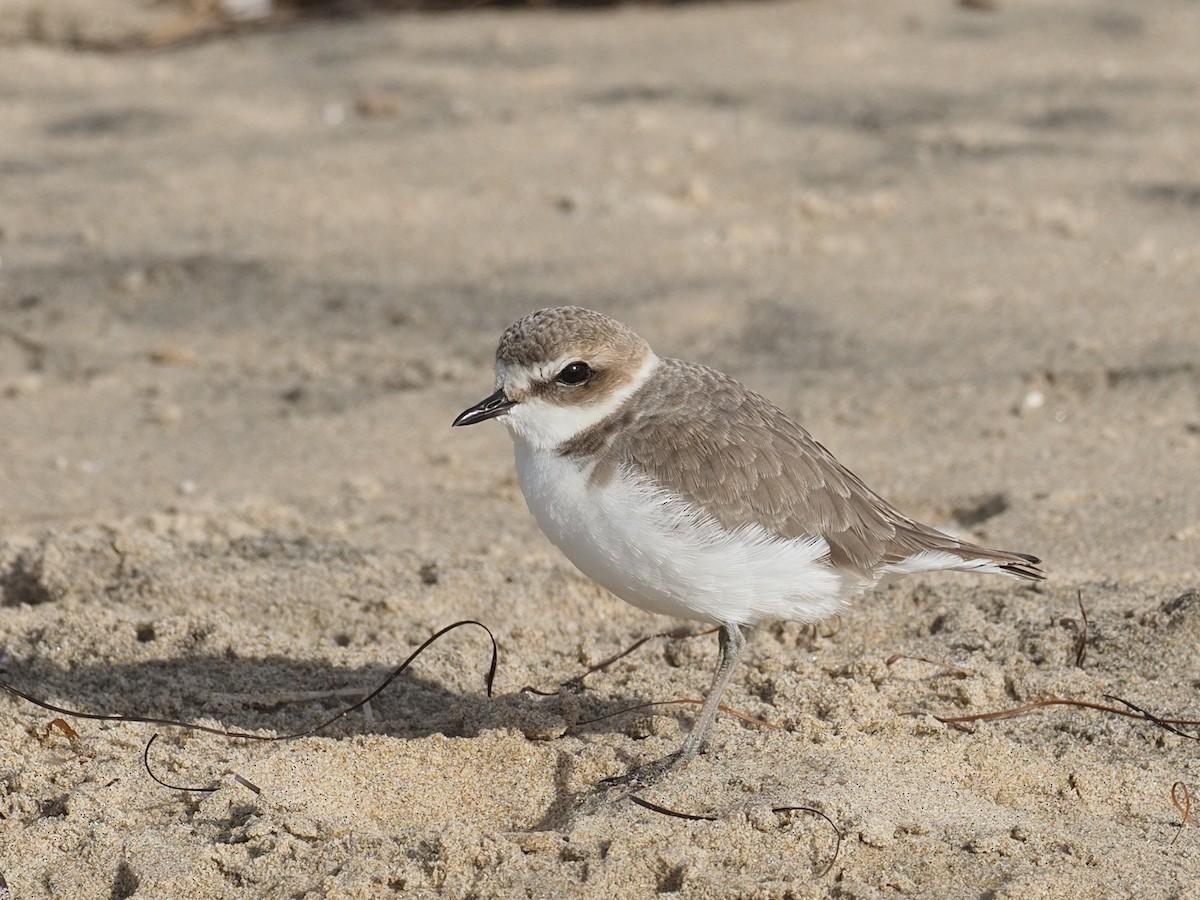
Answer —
689 433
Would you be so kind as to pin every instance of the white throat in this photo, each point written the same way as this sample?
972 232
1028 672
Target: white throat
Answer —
543 425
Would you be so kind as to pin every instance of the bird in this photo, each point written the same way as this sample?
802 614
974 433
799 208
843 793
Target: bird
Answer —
685 493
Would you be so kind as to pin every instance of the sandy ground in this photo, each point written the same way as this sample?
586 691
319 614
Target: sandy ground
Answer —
245 285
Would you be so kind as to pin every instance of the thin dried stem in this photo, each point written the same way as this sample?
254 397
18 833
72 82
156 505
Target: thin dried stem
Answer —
1130 712
710 817
737 714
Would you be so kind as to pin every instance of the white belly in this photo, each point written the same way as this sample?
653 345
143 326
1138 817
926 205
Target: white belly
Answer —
665 556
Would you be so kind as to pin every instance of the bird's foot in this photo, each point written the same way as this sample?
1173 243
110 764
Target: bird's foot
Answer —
645 775
613 790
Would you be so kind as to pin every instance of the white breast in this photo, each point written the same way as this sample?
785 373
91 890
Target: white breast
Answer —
665 556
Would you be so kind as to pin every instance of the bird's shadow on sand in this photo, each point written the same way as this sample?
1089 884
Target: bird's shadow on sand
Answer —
272 693
276 697
282 695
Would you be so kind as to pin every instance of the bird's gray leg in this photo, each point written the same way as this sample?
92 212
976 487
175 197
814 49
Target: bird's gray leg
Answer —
730 640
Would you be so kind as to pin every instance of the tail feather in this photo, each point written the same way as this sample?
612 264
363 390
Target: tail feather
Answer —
1001 562
963 557
920 548
1024 566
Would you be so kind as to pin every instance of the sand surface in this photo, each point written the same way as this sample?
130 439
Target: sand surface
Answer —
246 283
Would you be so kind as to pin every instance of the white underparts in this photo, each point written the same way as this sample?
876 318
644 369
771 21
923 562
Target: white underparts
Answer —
665 555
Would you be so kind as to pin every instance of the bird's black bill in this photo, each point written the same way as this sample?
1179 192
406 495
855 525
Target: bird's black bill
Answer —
493 406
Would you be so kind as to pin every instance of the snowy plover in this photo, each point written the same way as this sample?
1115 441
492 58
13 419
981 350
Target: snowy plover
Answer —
685 493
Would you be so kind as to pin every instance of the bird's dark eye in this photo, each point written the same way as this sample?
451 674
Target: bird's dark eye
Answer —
575 373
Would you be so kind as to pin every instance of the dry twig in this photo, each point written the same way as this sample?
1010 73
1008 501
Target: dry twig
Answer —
675 634
1131 712
709 817
1081 630
1182 799
737 714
